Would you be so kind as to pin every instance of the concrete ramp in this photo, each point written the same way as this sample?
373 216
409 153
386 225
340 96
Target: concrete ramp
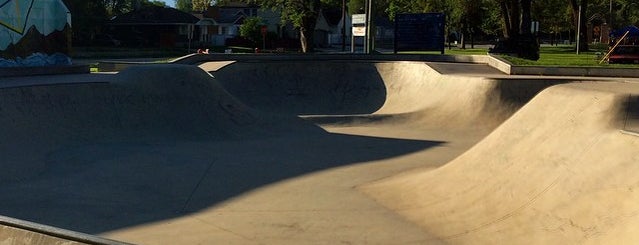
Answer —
291 151
142 104
351 91
560 171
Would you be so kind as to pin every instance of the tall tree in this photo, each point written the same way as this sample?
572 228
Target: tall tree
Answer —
184 5
302 14
554 16
117 7
201 5
87 17
356 7
467 17
518 40
251 29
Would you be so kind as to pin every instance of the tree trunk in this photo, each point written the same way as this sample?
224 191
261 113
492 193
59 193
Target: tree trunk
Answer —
463 40
303 40
506 17
307 33
524 27
518 40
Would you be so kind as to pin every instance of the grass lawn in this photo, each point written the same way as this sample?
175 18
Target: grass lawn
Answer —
562 55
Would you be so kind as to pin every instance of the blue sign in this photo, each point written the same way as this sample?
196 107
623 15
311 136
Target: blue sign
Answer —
420 32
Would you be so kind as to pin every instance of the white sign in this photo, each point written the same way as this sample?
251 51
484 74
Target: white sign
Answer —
359 31
359 19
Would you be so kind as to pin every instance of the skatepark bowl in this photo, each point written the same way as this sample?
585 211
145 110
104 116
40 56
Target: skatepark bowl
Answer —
304 151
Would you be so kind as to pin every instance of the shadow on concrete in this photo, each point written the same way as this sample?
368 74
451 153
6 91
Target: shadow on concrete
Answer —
159 142
104 187
344 87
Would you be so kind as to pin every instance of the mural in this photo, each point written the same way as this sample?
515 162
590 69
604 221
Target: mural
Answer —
34 33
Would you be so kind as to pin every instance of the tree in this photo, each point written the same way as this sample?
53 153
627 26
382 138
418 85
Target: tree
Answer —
355 7
87 17
518 40
251 29
580 23
201 5
184 5
491 22
467 17
553 16
117 7
301 13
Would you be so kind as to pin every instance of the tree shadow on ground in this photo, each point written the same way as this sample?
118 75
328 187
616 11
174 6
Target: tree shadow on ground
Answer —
104 187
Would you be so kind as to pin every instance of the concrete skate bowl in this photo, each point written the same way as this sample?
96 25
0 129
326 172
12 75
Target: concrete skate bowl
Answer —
279 152
355 91
153 143
560 171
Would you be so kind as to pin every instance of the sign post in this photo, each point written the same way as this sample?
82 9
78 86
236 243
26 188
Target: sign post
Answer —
358 28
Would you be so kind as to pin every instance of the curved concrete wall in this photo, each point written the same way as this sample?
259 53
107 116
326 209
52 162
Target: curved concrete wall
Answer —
382 89
148 103
558 172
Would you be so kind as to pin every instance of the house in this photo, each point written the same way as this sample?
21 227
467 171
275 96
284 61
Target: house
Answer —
219 23
154 26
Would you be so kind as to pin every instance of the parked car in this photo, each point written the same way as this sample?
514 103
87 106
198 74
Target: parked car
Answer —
624 54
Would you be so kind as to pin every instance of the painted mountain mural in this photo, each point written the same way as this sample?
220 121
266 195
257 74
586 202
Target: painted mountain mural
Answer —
34 33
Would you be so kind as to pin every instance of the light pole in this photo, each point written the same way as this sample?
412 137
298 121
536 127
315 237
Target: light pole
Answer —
610 13
344 25
578 30
369 27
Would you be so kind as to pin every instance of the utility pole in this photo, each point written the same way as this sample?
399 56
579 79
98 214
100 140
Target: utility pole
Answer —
369 27
578 30
343 25
610 13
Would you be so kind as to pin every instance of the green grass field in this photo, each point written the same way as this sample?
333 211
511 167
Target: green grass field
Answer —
563 55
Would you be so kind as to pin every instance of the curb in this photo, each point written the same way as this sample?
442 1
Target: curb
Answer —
50 234
43 70
506 67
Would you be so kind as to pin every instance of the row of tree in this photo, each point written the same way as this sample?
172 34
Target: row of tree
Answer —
194 5
508 19
88 16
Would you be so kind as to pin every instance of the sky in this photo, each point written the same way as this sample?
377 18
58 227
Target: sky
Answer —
169 2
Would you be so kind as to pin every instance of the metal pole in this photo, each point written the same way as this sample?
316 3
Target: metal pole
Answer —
352 43
369 27
366 7
578 29
343 25
610 12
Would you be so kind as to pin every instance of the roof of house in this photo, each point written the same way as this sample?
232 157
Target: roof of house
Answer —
332 15
154 15
229 15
